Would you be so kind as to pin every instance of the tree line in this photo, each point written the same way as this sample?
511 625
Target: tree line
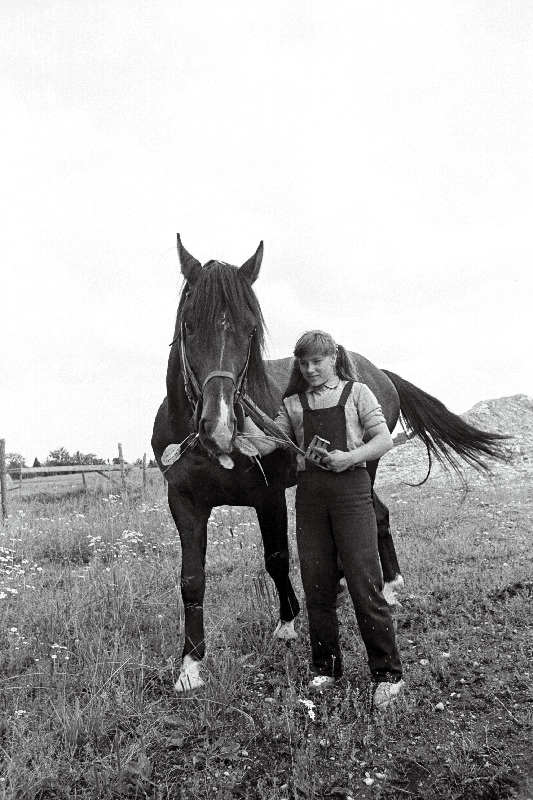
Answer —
62 458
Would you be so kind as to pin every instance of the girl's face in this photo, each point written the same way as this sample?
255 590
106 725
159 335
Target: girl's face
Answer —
317 368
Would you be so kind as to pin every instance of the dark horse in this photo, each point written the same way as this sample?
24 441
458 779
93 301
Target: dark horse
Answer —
215 363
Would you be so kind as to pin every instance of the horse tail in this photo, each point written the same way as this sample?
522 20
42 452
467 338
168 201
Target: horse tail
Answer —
445 435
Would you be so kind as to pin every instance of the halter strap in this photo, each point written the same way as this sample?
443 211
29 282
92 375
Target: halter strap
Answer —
193 389
218 374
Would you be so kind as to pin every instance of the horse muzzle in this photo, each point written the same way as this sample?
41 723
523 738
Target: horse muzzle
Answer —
217 425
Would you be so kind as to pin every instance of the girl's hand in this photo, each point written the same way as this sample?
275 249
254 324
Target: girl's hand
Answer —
335 460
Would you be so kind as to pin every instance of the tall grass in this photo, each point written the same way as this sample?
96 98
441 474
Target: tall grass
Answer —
91 629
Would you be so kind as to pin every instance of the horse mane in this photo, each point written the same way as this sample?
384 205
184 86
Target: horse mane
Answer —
343 366
220 288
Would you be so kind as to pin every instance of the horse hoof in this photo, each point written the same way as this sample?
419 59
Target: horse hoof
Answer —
189 677
285 631
391 588
342 593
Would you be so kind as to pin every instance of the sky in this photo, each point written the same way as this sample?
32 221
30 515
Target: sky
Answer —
382 150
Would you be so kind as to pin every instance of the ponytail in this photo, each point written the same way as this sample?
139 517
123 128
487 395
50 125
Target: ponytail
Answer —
343 367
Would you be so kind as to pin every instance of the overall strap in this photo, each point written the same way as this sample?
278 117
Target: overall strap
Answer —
304 401
345 393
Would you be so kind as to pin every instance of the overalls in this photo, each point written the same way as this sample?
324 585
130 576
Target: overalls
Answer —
335 516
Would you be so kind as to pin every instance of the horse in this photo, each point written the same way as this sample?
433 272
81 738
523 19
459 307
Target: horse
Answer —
216 370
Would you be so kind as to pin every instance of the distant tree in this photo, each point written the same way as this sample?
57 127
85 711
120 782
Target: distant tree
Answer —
90 458
61 458
139 462
15 461
36 463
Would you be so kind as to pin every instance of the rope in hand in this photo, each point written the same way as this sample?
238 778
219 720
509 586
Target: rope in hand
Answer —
269 427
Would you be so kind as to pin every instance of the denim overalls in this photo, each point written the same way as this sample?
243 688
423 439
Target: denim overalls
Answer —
335 517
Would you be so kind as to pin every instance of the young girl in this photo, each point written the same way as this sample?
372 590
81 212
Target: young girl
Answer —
334 509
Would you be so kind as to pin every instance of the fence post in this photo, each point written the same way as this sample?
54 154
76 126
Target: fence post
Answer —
3 487
83 473
121 461
144 473
20 474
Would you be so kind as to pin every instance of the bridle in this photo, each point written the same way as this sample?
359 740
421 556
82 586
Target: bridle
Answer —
242 403
193 389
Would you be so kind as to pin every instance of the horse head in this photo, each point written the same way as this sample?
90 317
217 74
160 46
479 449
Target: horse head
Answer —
220 333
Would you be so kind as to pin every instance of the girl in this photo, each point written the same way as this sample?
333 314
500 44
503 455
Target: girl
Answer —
334 510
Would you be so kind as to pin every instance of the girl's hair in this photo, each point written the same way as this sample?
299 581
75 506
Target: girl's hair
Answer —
322 343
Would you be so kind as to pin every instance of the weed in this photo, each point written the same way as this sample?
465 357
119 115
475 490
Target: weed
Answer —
91 629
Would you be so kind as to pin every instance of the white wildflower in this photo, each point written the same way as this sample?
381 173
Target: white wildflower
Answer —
310 706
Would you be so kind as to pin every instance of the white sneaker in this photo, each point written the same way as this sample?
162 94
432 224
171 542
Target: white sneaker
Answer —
386 693
321 683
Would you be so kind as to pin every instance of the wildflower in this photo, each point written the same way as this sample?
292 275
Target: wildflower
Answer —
310 706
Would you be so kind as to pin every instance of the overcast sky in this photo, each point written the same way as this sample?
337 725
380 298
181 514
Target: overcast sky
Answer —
382 150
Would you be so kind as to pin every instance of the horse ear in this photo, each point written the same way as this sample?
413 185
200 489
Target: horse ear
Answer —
250 269
190 266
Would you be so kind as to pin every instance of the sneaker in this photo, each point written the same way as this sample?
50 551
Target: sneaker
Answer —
321 683
386 693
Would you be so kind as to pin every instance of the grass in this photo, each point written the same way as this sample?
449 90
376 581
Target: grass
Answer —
91 630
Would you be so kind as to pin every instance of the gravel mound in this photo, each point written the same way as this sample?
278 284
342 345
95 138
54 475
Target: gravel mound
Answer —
511 416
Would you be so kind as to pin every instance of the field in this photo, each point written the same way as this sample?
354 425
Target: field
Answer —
91 632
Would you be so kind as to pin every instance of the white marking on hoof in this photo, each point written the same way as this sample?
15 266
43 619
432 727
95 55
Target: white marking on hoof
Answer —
285 631
391 588
342 593
189 677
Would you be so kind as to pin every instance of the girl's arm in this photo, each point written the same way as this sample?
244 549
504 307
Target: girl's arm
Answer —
266 444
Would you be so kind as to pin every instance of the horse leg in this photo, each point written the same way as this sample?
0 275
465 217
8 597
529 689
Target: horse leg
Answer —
387 553
272 517
191 523
392 576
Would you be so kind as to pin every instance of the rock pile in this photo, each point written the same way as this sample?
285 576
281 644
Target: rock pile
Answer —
512 416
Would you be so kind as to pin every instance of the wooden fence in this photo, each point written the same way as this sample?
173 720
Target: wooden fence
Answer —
71 469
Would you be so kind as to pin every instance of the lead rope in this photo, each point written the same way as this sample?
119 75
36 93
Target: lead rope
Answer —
269 427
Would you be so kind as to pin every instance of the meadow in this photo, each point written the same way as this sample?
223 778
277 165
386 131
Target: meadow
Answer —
91 634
